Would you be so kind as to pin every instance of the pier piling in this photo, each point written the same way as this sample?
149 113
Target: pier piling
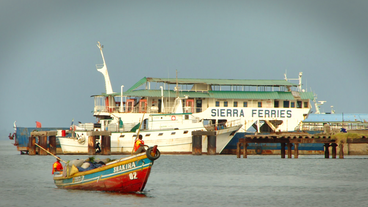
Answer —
296 150
211 145
333 145
197 144
91 145
52 144
32 146
327 151
105 145
289 145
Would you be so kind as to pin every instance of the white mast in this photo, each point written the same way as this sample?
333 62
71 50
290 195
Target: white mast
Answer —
104 71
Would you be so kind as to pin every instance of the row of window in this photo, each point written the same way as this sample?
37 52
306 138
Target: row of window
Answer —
160 134
286 104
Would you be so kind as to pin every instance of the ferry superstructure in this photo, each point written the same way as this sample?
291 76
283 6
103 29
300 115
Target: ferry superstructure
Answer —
261 105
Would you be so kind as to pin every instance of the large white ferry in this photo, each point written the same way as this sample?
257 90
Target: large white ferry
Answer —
169 127
261 105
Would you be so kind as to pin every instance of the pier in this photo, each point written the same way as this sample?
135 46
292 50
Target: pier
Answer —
288 140
47 140
197 142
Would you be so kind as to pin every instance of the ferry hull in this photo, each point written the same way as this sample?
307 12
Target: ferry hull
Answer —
169 143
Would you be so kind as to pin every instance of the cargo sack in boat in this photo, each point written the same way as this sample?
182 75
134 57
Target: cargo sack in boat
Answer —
85 165
77 163
73 170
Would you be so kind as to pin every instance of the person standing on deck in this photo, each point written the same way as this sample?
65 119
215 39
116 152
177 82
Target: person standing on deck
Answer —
139 145
57 166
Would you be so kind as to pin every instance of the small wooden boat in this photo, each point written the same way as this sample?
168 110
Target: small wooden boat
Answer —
125 175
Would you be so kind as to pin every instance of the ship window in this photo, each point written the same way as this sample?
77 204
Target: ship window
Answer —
276 104
134 135
259 104
292 104
217 103
245 104
122 135
199 106
185 132
235 104
225 103
160 134
306 105
298 104
286 104
147 135
172 133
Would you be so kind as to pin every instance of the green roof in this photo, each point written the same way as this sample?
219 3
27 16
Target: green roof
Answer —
214 82
223 82
256 95
139 83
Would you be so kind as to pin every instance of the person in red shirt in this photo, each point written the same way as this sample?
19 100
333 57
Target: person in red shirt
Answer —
139 145
57 167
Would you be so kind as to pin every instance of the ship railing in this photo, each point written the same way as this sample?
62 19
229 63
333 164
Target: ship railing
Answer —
117 109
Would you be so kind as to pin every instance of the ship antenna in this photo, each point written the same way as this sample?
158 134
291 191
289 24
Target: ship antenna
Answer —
103 69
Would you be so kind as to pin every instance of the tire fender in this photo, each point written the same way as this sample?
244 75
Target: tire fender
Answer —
153 153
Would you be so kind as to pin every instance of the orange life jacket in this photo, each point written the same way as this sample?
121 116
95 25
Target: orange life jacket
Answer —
138 144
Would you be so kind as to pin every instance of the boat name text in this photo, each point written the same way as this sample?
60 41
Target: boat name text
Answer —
124 167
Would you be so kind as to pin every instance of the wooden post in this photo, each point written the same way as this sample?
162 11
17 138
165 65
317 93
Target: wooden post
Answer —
92 145
296 150
282 150
327 151
333 145
289 145
238 149
32 146
42 143
341 153
211 144
245 145
196 144
52 144
106 145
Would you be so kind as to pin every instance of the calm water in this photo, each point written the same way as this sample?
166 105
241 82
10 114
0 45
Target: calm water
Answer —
186 180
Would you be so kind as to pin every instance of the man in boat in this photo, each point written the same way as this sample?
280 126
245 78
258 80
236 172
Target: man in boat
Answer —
57 167
139 145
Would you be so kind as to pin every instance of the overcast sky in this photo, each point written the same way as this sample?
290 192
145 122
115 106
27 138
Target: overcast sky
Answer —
48 50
